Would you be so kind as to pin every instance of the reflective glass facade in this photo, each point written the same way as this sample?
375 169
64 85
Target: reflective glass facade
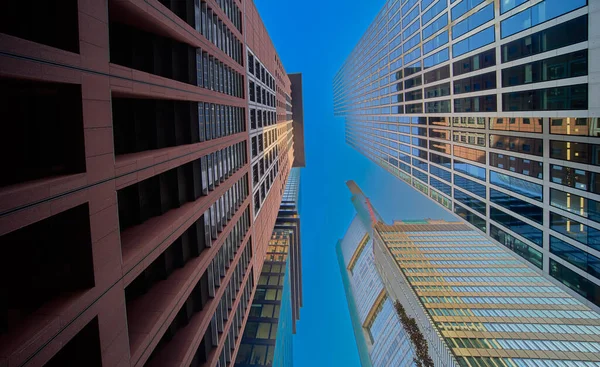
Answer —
488 308
488 108
380 339
267 338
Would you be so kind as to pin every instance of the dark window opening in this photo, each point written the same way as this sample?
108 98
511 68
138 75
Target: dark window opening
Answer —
82 350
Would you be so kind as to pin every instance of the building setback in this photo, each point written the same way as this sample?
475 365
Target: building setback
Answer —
131 229
476 304
379 336
491 109
267 338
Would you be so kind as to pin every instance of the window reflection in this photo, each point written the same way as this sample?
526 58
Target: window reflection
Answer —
475 204
471 154
517 144
523 166
578 231
539 13
470 217
469 137
575 281
576 178
523 124
470 169
560 67
575 126
516 225
517 246
520 186
575 256
470 122
575 152
521 207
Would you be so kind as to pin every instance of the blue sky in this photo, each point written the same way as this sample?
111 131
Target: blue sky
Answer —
315 39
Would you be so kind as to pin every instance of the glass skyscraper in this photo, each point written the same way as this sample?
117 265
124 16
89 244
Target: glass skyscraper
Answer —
380 339
267 338
490 108
476 304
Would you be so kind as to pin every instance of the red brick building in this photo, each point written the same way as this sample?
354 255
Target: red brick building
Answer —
131 232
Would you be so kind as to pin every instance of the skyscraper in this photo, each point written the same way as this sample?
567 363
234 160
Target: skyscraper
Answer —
133 230
475 304
267 338
491 109
380 339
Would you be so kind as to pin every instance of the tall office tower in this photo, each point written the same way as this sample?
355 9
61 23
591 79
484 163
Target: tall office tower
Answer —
476 305
267 338
380 339
128 235
489 108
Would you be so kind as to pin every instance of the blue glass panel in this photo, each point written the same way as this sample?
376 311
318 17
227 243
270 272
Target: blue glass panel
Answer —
435 42
411 42
539 13
441 173
523 187
412 29
409 4
521 207
506 5
463 7
471 186
420 164
412 55
409 18
436 58
439 185
475 204
469 169
437 24
578 231
484 15
480 39
577 257
420 175
433 11
516 225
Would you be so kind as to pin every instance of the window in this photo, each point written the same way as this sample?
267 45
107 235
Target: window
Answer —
521 207
576 282
516 225
470 185
463 7
517 144
564 66
480 61
524 124
470 169
575 256
473 21
433 11
476 104
435 59
437 74
470 217
475 83
574 97
575 152
580 232
435 26
514 184
437 107
252 93
537 14
480 39
517 246
523 166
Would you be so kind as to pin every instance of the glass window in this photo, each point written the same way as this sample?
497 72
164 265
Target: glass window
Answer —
517 246
437 41
439 185
527 210
523 166
441 173
573 97
439 90
523 124
575 281
475 83
470 217
564 66
438 107
471 202
410 17
471 154
480 61
517 144
438 159
470 185
469 137
577 178
435 26
433 11
506 5
437 58
479 39
463 7
575 204
575 256
440 147
476 104
578 231
516 225
575 152
437 74
575 126
537 14
473 21
520 186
